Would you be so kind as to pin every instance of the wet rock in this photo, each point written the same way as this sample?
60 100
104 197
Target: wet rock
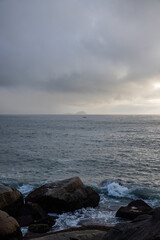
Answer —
63 196
9 228
36 211
39 228
25 220
33 213
144 227
134 209
10 200
50 220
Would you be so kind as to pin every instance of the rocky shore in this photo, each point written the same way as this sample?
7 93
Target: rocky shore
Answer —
142 222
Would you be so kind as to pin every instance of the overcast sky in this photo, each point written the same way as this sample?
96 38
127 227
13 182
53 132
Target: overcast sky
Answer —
65 56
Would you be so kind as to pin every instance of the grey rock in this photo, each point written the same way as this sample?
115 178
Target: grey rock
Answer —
144 227
74 235
63 196
134 209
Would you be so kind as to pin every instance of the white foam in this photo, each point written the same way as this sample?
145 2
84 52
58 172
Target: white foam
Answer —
153 203
24 230
67 220
117 190
25 189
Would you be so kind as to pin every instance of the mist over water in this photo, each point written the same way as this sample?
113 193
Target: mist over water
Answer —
121 151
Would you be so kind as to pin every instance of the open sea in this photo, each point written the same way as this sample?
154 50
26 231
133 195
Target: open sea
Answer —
119 156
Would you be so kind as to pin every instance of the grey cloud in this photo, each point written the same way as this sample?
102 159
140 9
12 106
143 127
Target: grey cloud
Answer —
5 82
104 49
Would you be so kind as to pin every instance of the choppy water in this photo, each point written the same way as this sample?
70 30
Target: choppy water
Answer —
38 149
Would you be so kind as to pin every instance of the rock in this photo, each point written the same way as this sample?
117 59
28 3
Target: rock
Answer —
9 228
82 233
134 209
63 196
50 220
36 211
39 228
90 222
25 216
144 227
77 235
33 213
10 200
24 220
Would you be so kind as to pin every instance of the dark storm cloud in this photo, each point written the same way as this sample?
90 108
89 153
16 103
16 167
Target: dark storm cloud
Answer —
108 49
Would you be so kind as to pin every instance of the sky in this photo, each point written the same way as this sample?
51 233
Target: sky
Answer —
66 56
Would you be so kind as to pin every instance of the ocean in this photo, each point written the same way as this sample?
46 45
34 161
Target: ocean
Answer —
119 156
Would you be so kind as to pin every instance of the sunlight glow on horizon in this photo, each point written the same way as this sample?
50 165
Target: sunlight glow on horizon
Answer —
155 101
156 85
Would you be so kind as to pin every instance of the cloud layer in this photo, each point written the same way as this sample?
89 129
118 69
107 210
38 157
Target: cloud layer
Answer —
99 56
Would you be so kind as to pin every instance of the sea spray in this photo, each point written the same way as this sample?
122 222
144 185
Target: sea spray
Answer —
25 189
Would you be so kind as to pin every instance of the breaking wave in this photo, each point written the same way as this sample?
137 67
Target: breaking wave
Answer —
82 217
121 190
25 189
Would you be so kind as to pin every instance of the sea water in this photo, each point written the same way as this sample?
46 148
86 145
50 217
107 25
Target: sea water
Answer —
119 156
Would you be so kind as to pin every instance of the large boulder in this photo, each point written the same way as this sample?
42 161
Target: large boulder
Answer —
144 227
10 200
134 209
63 196
9 228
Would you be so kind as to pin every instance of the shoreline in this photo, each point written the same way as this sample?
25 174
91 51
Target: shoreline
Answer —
60 198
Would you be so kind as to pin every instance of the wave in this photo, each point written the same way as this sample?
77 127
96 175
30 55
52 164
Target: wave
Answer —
121 190
115 188
88 216
25 189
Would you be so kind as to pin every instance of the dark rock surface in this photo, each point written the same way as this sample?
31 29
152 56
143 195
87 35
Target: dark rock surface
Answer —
39 228
10 200
134 209
63 196
9 228
33 213
36 211
82 233
144 227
